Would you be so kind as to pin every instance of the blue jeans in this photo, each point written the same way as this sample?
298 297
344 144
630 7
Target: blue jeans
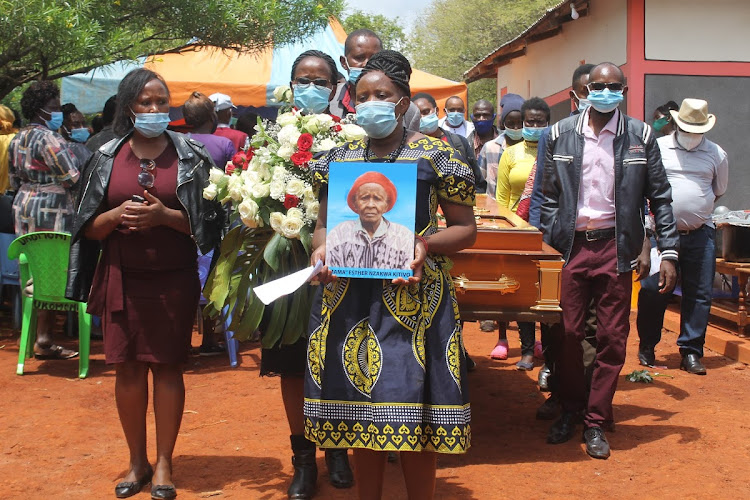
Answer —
696 268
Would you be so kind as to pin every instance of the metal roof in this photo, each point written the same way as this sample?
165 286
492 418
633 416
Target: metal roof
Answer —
548 25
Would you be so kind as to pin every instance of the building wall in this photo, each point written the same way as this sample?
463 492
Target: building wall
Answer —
721 94
697 30
548 65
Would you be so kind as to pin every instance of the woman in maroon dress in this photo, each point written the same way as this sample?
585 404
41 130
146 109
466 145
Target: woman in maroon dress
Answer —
146 286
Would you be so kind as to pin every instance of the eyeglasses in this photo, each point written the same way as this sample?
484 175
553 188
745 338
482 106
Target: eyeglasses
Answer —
613 86
147 176
320 82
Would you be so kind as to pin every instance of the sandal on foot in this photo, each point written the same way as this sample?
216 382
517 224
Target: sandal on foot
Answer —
500 351
524 366
55 352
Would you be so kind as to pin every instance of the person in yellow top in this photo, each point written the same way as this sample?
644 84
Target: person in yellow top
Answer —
512 172
517 160
7 133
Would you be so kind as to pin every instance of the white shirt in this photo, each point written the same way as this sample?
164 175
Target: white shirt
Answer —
698 177
464 129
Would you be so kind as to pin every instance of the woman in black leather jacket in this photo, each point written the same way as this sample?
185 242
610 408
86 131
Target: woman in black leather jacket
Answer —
141 199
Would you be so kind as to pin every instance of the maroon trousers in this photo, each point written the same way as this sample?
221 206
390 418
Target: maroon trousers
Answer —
591 272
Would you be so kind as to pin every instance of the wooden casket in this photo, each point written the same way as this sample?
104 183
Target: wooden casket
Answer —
509 273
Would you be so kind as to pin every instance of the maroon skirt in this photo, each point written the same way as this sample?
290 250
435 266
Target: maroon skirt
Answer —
156 323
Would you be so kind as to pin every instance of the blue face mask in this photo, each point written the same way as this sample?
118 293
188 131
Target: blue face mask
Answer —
233 121
484 127
55 119
605 100
582 103
378 118
311 98
79 134
514 134
455 118
428 124
151 124
532 134
354 74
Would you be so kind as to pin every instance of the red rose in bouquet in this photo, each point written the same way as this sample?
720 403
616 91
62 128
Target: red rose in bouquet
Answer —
335 118
230 169
337 128
301 158
290 201
241 160
305 142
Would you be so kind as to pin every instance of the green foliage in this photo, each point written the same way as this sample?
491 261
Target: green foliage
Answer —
453 36
642 376
53 38
245 263
389 30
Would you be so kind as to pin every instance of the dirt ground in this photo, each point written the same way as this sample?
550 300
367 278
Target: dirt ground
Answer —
680 437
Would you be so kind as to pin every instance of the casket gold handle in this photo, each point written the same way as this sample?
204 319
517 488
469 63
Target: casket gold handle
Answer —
503 285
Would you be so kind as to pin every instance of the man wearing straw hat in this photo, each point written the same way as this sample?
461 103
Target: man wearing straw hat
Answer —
698 172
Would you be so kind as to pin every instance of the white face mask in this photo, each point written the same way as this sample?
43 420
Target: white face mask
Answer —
688 140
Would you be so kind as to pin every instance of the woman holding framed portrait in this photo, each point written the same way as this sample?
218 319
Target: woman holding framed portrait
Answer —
385 358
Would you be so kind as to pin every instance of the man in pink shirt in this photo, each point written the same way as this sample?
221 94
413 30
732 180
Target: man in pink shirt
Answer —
599 167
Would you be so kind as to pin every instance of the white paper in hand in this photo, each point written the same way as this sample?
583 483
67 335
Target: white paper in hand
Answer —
272 290
655 261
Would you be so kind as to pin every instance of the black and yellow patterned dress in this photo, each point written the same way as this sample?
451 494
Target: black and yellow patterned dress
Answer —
385 363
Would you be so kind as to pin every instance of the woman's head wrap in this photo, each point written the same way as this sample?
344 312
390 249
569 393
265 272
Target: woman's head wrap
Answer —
394 65
372 178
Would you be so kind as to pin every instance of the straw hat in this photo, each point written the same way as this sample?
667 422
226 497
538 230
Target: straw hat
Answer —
693 116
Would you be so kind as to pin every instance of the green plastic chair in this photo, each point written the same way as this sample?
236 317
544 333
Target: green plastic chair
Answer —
44 256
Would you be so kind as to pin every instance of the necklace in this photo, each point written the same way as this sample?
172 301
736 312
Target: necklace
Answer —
391 158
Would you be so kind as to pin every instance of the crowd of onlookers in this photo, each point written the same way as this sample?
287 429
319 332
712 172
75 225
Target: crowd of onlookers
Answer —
611 193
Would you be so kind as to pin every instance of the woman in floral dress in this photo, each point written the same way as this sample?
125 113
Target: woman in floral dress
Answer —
385 358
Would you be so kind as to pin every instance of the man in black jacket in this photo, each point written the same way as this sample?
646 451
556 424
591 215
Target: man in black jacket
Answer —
598 168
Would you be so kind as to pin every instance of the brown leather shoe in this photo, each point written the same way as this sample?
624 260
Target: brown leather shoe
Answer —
597 445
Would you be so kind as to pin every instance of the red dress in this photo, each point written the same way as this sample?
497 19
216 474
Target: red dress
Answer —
146 286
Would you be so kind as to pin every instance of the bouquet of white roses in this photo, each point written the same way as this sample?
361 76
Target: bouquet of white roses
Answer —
268 191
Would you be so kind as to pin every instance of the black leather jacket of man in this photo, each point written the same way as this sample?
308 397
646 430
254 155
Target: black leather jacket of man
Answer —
639 174
206 217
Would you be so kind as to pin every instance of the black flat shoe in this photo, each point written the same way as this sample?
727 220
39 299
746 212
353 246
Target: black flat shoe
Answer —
691 363
339 473
163 491
563 428
646 356
597 445
127 489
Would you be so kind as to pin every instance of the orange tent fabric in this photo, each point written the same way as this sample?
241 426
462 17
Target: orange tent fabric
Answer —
248 78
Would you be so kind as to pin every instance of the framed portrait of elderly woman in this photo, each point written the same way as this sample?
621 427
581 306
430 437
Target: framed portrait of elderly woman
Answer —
370 226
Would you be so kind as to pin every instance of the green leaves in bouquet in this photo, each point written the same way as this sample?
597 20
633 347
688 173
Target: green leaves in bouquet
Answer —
290 314
249 258
231 281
